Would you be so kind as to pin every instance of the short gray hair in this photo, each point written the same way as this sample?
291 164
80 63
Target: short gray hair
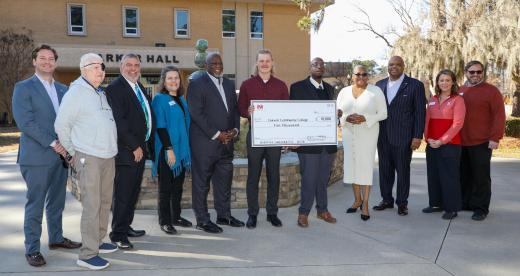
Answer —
89 58
130 55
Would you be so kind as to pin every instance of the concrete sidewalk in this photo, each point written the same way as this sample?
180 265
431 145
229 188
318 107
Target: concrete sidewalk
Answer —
387 244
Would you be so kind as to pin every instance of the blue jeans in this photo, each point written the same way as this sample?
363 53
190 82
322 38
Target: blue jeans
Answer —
45 187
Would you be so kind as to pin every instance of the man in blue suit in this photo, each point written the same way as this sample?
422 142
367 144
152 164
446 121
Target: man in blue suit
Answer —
35 104
212 102
400 134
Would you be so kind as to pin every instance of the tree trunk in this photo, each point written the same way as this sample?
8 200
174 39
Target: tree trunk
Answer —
516 101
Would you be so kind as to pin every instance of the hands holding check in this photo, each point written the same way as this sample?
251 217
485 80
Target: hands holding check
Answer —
355 119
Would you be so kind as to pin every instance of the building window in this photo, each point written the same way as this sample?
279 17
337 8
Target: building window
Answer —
77 20
257 26
182 23
131 21
228 23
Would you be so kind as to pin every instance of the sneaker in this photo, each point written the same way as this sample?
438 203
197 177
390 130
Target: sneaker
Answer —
107 248
94 263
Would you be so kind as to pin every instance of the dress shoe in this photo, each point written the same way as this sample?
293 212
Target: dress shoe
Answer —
35 259
383 205
303 220
478 216
365 217
135 233
354 209
168 229
402 210
209 227
123 245
251 222
66 243
327 217
431 209
182 222
231 221
449 215
274 220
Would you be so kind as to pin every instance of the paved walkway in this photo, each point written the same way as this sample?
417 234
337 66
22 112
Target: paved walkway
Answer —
387 244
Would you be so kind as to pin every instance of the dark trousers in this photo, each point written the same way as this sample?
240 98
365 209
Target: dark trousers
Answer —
170 192
392 160
127 186
45 190
476 177
255 158
315 171
443 177
218 170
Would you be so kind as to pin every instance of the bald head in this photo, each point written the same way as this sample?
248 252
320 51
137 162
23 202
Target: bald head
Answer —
395 67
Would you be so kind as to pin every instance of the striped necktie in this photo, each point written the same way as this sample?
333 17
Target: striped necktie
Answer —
145 110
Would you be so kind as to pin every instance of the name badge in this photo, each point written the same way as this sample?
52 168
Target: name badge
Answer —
431 103
172 103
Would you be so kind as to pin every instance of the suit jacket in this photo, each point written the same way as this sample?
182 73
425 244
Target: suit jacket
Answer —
209 115
35 116
130 120
406 113
305 90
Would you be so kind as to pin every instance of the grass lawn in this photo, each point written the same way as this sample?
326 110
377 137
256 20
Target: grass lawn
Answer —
9 137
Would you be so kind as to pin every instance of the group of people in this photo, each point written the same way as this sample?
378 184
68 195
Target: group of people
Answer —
461 127
105 136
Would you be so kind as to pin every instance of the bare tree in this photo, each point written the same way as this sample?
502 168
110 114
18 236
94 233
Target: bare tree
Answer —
15 63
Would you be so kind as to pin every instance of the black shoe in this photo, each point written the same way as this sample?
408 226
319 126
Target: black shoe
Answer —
169 229
431 209
449 215
209 227
35 259
478 216
274 220
383 205
365 217
353 210
402 210
231 221
135 233
251 222
123 245
182 222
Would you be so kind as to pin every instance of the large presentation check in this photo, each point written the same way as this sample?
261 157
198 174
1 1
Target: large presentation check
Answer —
293 123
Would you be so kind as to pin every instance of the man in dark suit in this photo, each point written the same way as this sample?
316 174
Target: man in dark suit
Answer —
212 102
133 116
35 104
400 134
315 161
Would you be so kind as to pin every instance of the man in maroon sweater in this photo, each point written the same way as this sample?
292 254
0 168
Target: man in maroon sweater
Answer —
262 86
483 128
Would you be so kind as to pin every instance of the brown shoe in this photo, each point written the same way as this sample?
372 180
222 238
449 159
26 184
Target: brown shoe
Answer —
35 259
66 243
326 216
303 221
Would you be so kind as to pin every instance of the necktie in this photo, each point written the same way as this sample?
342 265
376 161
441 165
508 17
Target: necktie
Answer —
145 110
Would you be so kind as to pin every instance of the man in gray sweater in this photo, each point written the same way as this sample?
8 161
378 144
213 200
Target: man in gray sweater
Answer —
86 128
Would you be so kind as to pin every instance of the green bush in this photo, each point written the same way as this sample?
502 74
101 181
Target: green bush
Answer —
513 127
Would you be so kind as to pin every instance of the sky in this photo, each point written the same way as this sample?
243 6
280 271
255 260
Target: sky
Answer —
334 42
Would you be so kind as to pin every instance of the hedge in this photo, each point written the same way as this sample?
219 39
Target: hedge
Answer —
513 127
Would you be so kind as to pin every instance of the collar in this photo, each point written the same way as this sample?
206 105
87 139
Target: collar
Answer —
468 84
316 84
262 80
44 81
400 79
215 79
131 83
98 90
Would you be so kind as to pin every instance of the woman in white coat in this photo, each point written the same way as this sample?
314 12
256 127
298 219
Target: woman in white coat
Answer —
361 106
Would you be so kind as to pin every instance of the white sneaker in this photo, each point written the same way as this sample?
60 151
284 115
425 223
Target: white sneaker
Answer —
94 263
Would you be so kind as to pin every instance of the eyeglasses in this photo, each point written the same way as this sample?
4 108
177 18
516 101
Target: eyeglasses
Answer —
318 65
102 65
361 74
478 72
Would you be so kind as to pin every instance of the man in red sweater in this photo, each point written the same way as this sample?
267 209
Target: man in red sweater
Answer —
483 128
262 86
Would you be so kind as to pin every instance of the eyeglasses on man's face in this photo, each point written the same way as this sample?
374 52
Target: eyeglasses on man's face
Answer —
97 63
361 74
478 72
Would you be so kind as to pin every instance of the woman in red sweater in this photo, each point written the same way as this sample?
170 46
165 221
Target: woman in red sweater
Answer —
444 119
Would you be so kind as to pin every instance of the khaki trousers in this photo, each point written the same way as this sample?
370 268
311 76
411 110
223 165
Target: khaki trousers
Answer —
96 182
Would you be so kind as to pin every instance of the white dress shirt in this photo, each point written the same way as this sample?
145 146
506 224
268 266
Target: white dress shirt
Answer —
392 87
51 91
148 110
316 84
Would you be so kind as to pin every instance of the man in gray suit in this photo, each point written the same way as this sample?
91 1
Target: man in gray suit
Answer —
35 104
